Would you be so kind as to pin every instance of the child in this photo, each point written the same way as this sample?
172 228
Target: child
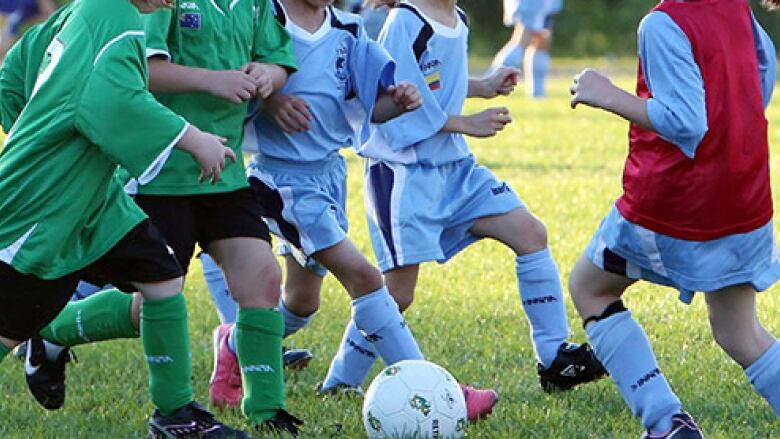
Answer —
19 13
63 215
207 59
530 42
696 210
427 198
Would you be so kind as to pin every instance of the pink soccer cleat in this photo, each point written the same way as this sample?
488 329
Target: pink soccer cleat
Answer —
225 384
479 403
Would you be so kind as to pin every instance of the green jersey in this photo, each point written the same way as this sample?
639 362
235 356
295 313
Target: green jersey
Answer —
89 111
215 35
20 68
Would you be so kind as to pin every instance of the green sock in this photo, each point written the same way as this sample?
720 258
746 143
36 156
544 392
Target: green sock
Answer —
167 348
4 351
259 343
102 316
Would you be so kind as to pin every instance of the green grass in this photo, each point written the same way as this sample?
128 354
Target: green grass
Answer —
566 166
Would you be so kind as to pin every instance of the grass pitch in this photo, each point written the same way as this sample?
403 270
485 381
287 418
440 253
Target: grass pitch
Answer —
566 165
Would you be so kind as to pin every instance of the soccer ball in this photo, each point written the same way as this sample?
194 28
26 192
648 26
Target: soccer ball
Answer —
414 399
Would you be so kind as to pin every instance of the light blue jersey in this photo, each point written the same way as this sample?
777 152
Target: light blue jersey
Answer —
678 110
340 77
533 14
434 58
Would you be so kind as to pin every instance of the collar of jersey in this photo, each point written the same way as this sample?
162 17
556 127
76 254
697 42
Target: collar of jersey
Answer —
439 28
302 33
219 9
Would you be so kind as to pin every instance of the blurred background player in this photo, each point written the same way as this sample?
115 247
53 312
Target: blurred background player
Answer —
16 14
373 18
427 198
696 210
345 81
528 48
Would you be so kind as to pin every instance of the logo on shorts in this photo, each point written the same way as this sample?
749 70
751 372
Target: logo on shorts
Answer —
501 189
190 20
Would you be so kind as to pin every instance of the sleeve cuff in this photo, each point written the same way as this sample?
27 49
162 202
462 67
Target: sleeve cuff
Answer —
157 165
157 53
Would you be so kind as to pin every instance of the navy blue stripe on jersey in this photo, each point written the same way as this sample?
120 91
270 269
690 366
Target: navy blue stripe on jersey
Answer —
279 13
352 28
273 205
382 180
421 42
463 16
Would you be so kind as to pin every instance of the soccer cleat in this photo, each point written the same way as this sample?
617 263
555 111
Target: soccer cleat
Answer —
45 378
574 365
339 390
191 421
296 359
225 383
683 427
282 422
479 403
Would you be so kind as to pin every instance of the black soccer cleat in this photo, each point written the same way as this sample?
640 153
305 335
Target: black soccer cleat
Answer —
683 427
282 422
296 359
574 365
341 389
190 421
45 378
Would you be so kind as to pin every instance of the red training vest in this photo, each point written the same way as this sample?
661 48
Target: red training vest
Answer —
725 189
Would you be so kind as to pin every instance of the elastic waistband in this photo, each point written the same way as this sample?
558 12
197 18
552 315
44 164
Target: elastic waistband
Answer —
265 163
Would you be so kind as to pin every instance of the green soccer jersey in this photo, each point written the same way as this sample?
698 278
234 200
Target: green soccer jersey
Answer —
216 35
89 111
20 67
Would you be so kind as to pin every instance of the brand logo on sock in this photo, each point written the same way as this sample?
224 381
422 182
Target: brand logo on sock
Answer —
373 338
360 349
159 359
655 373
540 300
258 368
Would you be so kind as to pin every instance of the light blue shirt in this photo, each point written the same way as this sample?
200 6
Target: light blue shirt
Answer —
678 109
434 58
340 74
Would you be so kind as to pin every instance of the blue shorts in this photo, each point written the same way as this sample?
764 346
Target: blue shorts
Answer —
419 213
18 11
535 15
304 204
630 250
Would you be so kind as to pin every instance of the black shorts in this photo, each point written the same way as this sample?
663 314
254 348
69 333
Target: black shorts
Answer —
187 220
28 303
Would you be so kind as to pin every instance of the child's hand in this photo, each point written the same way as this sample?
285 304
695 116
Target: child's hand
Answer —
258 72
405 95
590 88
501 82
232 85
289 112
208 150
487 123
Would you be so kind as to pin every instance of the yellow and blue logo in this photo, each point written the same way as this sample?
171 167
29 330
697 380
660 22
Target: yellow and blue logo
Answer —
433 80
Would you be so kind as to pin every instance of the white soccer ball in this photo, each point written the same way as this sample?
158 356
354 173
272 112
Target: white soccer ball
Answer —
414 399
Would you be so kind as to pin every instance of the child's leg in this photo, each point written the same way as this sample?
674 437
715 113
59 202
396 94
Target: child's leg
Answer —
227 308
374 311
537 276
300 296
622 345
537 65
356 355
513 53
6 345
736 328
253 277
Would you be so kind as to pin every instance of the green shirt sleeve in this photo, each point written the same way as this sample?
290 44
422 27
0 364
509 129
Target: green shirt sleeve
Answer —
272 43
157 25
117 113
12 83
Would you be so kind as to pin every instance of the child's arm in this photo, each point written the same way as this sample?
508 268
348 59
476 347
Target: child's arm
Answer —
501 82
232 85
677 110
290 113
483 124
397 100
269 77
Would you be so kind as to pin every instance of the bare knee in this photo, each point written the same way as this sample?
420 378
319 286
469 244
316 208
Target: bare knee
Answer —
535 236
362 280
301 301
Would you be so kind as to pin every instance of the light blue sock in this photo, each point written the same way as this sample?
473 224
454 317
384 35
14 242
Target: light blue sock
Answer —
536 73
227 308
231 341
352 362
86 289
509 58
377 316
292 322
764 375
623 348
542 298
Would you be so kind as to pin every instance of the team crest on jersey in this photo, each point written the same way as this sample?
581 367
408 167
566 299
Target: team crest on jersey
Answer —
341 68
190 20
431 70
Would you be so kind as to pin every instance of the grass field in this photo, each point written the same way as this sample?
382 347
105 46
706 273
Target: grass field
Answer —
566 166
